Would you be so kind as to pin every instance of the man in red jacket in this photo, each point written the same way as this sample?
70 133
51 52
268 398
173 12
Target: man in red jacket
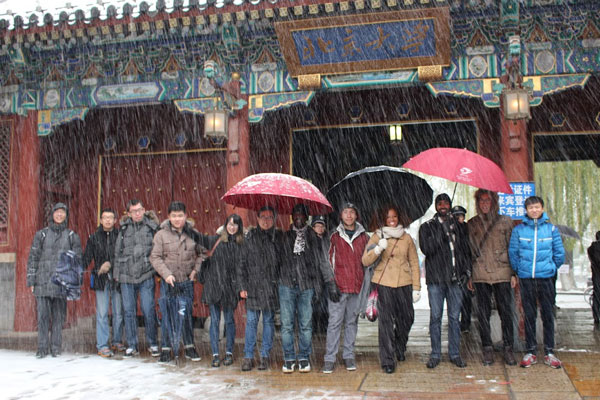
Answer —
345 253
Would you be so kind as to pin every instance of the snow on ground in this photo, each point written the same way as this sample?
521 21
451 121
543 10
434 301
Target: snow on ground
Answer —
79 376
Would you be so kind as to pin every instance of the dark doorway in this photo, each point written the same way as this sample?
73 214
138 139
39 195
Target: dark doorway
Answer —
325 155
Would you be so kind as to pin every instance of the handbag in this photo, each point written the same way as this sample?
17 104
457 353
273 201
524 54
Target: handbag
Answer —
372 310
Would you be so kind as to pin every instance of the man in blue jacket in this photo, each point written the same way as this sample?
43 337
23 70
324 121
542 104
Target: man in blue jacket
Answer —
535 252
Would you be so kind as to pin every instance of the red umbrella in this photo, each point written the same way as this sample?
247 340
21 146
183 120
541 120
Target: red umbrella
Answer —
461 166
280 191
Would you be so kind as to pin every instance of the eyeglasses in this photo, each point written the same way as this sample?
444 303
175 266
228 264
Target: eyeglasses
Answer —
137 211
270 218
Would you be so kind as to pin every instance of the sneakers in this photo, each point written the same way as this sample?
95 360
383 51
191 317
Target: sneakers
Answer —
528 360
192 354
154 351
131 352
551 360
228 359
304 366
216 361
120 347
458 362
433 362
165 355
41 354
488 355
288 367
328 367
350 364
247 364
105 352
509 357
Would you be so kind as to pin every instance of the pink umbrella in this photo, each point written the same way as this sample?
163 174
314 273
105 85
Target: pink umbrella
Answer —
461 166
280 191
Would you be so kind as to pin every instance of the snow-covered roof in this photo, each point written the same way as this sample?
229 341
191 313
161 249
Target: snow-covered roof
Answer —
35 12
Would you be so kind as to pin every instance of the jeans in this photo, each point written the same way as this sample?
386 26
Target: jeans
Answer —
176 308
453 295
294 301
252 317
215 319
344 312
503 294
129 292
105 297
50 311
534 290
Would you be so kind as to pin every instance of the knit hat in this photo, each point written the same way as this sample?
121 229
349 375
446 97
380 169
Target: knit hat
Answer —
318 219
458 210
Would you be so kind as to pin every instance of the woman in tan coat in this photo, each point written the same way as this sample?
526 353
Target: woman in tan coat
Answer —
398 281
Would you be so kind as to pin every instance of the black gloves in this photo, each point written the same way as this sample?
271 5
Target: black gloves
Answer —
333 291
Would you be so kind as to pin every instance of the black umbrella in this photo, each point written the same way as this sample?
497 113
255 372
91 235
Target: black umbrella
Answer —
568 231
374 188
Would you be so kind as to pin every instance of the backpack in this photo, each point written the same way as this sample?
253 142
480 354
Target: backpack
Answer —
69 271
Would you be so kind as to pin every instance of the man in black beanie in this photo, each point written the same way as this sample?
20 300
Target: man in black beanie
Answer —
445 244
304 269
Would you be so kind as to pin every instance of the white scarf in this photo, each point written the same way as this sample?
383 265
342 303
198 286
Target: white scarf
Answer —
300 242
395 232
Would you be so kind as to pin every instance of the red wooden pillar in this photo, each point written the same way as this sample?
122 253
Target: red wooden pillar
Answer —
517 164
28 208
238 167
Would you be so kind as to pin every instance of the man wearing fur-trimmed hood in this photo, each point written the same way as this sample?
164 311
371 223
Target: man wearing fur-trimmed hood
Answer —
489 233
134 272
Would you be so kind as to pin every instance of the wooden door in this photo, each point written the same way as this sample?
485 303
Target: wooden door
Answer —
196 178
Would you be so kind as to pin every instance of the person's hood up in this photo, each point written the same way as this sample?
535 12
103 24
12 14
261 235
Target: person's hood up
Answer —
56 207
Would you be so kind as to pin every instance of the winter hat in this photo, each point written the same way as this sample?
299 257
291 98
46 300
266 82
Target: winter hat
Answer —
349 205
458 210
442 197
300 208
318 219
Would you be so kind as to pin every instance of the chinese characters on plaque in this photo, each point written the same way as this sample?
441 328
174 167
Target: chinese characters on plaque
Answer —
513 205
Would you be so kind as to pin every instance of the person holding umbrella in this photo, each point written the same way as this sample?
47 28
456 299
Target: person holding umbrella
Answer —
302 273
397 277
345 252
459 213
257 284
445 244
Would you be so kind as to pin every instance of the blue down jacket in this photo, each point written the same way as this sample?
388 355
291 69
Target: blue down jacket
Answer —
536 249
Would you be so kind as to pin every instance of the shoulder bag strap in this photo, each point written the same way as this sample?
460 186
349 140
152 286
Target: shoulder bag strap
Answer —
211 251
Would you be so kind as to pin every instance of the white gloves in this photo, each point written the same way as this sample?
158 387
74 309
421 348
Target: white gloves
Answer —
416 296
381 246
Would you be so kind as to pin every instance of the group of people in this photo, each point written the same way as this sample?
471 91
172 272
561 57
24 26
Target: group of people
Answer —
294 271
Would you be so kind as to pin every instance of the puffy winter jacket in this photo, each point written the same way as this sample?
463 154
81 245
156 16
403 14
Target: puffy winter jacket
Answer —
132 250
175 253
345 255
219 271
48 244
490 262
260 273
536 249
435 244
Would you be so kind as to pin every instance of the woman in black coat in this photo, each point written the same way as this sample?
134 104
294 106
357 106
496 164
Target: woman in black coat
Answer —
220 286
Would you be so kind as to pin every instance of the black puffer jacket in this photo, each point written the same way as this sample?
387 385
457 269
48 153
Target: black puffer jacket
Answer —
100 248
47 246
132 249
260 273
308 270
219 271
435 244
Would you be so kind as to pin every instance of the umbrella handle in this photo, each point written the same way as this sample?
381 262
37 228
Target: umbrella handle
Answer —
453 192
